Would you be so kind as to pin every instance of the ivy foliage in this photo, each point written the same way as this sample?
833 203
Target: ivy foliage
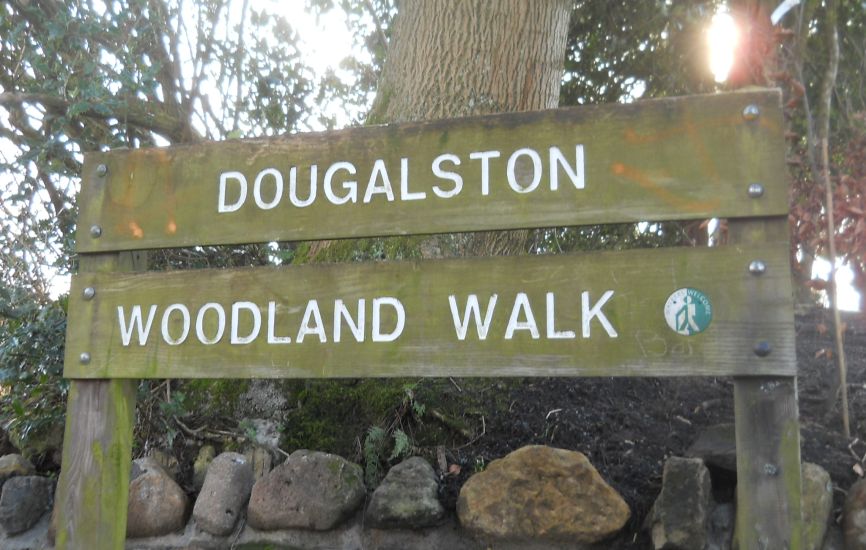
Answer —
32 391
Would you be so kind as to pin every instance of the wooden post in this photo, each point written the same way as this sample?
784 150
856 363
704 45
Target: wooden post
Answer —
768 463
97 446
767 434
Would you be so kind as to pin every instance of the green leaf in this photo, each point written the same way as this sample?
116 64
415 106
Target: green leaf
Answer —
402 444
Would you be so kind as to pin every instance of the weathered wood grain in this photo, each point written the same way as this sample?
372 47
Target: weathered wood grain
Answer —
768 463
767 433
667 159
745 309
97 447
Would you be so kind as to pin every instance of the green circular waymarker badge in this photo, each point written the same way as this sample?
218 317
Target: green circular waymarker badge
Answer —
688 311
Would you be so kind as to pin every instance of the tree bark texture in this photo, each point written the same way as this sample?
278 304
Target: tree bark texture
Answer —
449 59
469 57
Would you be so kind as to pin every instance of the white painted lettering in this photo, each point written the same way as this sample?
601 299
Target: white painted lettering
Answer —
557 159
446 175
350 186
312 313
293 186
485 157
378 335
474 310
341 312
521 303
405 194
135 323
184 313
595 311
552 333
221 323
222 206
278 188
236 338
512 167
272 321
379 171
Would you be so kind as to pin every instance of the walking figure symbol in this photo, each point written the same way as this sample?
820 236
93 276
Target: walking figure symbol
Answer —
688 311
686 317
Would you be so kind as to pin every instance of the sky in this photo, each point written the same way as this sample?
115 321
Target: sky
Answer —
326 38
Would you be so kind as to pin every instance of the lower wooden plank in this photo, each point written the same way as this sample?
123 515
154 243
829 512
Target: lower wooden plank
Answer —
768 464
93 488
598 314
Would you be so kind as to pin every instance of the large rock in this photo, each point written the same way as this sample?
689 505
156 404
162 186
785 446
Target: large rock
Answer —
14 465
310 490
167 462
543 494
143 465
721 529
681 512
716 446
816 504
24 500
157 505
406 497
854 524
225 491
47 442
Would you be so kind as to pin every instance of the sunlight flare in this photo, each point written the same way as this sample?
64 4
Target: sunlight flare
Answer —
722 37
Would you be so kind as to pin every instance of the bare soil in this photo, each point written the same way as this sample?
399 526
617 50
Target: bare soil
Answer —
627 427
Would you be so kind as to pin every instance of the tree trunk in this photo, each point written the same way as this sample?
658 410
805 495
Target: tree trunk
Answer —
471 57
453 59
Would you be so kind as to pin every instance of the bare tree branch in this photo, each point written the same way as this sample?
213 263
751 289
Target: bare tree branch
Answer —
828 83
135 112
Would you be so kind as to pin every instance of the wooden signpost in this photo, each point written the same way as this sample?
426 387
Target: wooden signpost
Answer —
721 310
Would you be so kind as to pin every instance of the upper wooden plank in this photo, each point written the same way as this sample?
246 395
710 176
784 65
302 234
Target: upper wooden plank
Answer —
598 314
667 159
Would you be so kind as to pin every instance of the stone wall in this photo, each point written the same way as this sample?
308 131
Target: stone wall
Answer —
536 497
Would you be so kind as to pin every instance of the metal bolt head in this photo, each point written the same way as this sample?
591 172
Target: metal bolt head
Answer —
101 170
756 190
757 267
89 293
771 469
84 358
95 231
763 348
751 112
